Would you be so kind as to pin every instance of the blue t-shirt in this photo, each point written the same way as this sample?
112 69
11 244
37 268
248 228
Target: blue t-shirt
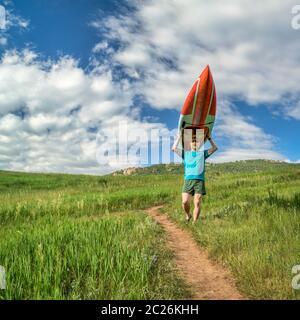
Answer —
194 164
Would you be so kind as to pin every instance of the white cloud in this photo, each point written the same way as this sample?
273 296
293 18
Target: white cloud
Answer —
9 20
58 88
10 123
51 110
242 139
14 20
239 130
100 47
294 111
41 122
47 137
252 50
245 44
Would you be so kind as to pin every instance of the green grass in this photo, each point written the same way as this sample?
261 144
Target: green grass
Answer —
87 237
251 222
119 257
77 237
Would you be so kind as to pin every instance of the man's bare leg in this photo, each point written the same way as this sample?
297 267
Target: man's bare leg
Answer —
186 205
197 206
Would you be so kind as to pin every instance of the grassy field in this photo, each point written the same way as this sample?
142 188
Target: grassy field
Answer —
87 237
83 237
251 222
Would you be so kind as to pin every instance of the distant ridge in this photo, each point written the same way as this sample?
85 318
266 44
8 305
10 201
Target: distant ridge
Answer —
172 168
237 166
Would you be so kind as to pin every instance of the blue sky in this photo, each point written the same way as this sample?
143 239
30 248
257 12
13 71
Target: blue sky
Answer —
60 26
71 68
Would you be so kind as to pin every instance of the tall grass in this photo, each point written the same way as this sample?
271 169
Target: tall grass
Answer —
65 240
85 237
251 222
108 258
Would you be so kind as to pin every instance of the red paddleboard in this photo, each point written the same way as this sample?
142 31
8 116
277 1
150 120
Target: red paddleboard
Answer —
200 106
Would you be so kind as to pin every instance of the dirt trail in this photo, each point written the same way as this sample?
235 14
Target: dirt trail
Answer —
206 279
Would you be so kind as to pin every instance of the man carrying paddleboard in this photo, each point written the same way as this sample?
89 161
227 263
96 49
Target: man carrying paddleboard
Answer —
194 157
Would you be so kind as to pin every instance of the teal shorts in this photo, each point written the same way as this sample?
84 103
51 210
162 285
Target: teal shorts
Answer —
194 186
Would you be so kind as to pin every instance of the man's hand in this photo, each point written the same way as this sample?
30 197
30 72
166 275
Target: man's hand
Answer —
174 147
214 147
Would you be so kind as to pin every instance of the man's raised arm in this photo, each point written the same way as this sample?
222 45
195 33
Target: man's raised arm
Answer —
175 145
213 148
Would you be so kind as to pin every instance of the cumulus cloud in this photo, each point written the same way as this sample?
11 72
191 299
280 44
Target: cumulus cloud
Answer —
162 48
243 139
51 111
233 125
170 42
58 87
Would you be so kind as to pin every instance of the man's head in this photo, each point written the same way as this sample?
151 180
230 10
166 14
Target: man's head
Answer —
197 140
194 144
